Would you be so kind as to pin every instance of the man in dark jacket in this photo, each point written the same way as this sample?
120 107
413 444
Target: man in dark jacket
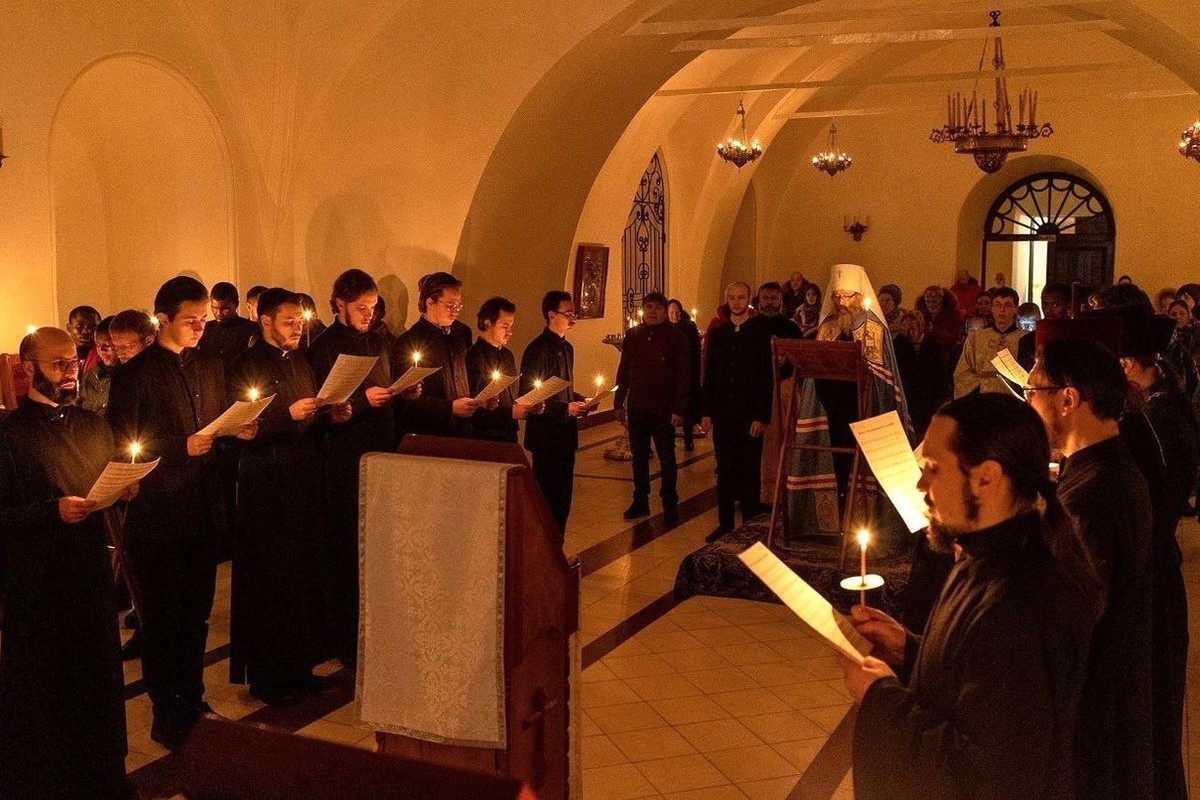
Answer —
159 400
552 437
652 381
736 404
1078 388
490 358
988 706
228 335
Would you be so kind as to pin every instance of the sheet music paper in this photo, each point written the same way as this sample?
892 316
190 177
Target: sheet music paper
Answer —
495 387
347 374
411 377
115 479
1008 368
549 388
242 412
806 602
885 446
592 402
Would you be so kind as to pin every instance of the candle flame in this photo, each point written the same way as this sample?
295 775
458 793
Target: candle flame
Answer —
153 320
134 449
253 393
599 381
495 374
537 383
416 359
32 329
863 537
308 315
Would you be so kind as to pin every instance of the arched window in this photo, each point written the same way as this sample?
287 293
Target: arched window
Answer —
644 242
1050 227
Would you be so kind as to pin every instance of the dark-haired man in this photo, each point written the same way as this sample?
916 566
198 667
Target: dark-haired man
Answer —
95 382
490 357
652 379
1078 389
160 399
81 324
62 708
371 428
252 303
975 372
771 312
276 615
988 703
131 332
228 335
445 406
552 437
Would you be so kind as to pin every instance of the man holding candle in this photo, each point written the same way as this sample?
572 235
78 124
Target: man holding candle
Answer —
488 359
161 398
62 709
277 622
552 437
985 701
446 405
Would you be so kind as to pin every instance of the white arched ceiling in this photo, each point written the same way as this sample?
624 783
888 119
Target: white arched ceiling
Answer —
142 186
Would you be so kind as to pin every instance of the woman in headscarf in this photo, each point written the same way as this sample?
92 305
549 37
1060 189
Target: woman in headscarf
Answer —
818 481
889 307
808 315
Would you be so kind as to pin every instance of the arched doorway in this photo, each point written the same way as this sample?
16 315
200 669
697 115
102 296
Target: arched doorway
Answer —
1049 227
644 241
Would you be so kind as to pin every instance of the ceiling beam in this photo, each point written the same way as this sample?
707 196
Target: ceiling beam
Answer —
878 11
896 37
899 80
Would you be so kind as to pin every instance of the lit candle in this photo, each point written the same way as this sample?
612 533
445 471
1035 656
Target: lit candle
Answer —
694 313
537 383
863 538
153 320
134 449
416 359
495 374
32 329
867 303
640 313
308 315
253 394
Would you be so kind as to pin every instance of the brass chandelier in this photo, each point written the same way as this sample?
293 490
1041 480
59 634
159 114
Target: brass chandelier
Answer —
739 151
971 136
833 160
1189 142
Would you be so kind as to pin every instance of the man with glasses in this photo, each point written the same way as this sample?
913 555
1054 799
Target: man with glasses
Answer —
552 437
445 406
131 331
94 384
1078 389
62 709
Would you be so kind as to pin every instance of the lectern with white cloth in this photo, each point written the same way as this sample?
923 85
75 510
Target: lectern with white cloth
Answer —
468 611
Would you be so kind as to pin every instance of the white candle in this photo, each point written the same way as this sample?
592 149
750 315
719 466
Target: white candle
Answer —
863 538
416 359
134 449
253 394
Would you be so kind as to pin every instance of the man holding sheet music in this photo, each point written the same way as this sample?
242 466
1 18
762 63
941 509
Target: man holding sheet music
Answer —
490 358
975 371
62 708
160 399
986 701
277 621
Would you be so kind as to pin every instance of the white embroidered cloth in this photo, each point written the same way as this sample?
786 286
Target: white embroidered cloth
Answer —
431 631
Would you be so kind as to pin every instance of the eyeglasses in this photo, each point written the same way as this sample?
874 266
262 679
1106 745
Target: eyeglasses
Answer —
451 306
567 314
61 364
1029 390
104 348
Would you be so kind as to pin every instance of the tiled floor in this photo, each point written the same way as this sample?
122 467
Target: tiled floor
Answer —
715 699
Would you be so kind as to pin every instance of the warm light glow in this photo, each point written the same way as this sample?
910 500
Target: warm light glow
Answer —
599 381
495 374
863 538
416 359
153 320
134 449
32 329
641 313
253 394
308 315
693 313
537 384
867 303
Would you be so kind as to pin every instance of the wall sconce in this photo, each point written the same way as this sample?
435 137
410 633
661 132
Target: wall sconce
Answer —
2 156
857 229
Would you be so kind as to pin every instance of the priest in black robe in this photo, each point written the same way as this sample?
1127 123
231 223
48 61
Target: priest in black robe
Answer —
371 428
62 705
1079 390
160 399
436 339
277 621
986 702
490 358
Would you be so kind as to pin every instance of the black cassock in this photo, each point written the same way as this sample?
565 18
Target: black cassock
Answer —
276 616
62 706
995 681
483 359
432 413
369 429
1104 492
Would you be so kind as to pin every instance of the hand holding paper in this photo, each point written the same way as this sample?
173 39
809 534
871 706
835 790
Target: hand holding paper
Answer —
239 414
347 374
1007 366
495 388
115 479
543 391
885 446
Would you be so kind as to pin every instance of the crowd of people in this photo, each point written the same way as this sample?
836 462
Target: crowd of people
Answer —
1072 620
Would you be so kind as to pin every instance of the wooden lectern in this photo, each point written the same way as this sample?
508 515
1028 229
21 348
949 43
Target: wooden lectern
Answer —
541 612
831 361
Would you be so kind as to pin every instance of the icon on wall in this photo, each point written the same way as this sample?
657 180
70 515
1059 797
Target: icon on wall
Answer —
591 280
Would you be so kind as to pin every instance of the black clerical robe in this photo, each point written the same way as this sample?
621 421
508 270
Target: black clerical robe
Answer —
276 614
431 413
1104 492
552 437
483 359
227 340
369 429
62 708
989 708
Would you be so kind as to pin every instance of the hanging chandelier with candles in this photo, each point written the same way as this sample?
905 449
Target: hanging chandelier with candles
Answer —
1189 142
967 118
740 151
833 160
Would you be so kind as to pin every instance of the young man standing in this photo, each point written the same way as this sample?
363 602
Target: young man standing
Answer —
490 356
228 335
653 379
975 372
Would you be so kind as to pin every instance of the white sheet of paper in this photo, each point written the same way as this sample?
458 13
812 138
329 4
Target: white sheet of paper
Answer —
495 387
806 602
411 377
242 412
550 387
1007 366
592 402
885 446
115 479
347 374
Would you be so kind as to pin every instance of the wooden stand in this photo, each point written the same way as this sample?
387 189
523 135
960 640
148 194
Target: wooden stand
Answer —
541 612
830 361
